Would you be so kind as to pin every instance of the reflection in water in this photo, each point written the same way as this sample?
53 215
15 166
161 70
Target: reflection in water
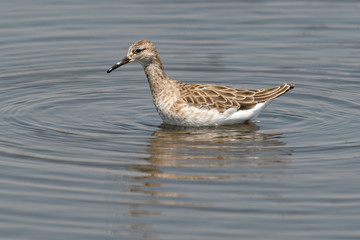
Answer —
179 155
225 146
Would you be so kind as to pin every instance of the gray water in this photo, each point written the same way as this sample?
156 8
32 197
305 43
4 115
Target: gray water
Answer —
84 155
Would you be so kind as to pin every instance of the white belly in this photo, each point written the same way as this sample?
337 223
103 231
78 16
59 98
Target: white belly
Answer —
196 117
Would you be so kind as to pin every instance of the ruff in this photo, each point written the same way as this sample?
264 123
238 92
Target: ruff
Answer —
197 104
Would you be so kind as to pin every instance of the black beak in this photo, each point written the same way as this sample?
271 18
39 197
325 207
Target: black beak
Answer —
119 64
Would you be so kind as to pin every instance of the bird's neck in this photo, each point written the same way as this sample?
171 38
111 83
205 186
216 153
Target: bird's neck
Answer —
157 78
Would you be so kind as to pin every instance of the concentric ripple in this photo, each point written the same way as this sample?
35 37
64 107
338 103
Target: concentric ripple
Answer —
38 115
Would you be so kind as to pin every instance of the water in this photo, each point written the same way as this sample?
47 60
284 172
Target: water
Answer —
83 154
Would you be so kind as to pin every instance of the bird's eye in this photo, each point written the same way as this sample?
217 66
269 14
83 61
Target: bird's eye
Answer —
138 50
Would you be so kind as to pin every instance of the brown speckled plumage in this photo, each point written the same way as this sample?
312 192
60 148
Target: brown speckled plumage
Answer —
223 97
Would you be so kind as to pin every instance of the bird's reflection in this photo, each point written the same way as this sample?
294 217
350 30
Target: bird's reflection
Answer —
239 145
199 154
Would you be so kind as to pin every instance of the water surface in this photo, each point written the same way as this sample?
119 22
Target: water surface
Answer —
84 155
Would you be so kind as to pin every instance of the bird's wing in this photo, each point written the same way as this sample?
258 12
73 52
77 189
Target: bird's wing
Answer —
222 97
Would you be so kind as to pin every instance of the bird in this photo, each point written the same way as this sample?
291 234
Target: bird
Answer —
197 105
